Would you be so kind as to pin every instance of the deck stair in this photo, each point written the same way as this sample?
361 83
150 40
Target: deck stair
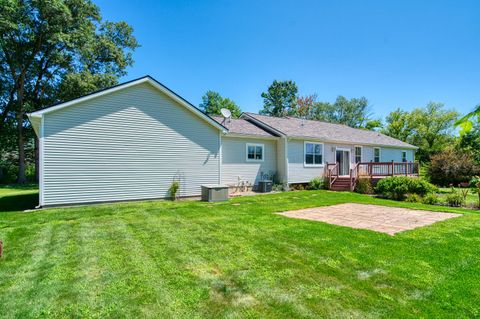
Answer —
341 184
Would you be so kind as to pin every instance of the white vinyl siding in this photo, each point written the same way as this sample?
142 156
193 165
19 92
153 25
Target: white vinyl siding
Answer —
235 165
298 172
396 155
130 144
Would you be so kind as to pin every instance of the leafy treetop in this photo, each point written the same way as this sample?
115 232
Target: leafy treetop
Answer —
280 99
213 102
52 51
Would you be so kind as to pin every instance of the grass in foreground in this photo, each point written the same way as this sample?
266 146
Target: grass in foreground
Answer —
235 259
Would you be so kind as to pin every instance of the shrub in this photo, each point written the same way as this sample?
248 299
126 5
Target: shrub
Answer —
397 187
364 186
431 199
420 186
297 187
278 187
452 167
475 186
173 190
454 199
414 198
316 183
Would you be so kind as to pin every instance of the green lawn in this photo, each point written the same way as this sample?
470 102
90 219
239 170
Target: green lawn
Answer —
234 259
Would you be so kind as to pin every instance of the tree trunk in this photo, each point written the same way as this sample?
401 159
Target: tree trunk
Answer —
37 160
21 178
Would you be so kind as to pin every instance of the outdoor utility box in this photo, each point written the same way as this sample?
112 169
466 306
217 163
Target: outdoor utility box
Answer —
265 186
214 193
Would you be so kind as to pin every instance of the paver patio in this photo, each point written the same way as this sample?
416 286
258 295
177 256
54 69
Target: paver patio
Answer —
390 220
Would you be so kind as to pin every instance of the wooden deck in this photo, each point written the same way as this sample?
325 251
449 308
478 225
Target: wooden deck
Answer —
372 170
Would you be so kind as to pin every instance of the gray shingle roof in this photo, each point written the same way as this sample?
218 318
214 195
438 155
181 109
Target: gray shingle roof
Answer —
241 126
328 132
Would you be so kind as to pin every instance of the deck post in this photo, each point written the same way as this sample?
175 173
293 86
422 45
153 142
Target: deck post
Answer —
393 169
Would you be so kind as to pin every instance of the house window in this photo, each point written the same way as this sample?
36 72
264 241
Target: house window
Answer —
313 154
255 152
358 154
404 156
376 154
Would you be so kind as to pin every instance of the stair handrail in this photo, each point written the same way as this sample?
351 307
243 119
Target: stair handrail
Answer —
332 174
353 176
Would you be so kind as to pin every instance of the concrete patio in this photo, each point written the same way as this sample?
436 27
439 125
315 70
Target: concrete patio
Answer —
389 220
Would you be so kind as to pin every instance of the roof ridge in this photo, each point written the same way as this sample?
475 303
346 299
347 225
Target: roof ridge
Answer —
290 127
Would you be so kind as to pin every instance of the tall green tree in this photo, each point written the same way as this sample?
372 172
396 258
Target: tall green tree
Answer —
280 99
399 125
213 102
353 112
51 51
430 128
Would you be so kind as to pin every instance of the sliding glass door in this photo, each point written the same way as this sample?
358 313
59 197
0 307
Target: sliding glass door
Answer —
343 160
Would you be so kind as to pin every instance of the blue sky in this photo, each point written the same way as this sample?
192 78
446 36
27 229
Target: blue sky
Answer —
396 53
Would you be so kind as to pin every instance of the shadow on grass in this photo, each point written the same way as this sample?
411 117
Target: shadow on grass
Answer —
18 202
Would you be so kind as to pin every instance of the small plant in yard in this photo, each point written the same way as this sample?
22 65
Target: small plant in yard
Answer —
431 199
364 186
454 199
316 183
414 198
464 192
173 190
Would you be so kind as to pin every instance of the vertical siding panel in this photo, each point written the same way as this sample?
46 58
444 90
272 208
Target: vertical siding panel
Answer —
130 144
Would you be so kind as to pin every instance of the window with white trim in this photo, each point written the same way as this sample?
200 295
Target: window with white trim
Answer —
255 152
376 154
404 156
313 154
358 154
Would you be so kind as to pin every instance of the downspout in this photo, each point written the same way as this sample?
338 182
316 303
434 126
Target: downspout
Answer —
286 184
41 142
220 159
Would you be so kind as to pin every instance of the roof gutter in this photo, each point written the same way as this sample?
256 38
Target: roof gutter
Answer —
413 147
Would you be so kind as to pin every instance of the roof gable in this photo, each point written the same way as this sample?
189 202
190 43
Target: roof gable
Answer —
146 79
